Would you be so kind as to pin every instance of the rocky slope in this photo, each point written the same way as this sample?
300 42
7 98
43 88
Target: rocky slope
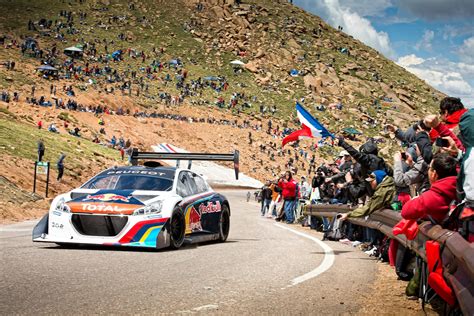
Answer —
357 86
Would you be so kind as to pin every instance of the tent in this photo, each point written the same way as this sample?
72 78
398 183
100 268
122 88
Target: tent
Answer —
46 68
351 131
73 49
212 78
73 52
49 71
237 63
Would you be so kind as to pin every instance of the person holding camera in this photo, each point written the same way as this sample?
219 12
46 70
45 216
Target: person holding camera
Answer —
288 186
384 192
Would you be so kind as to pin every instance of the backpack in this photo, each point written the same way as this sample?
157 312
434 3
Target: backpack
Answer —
461 219
334 232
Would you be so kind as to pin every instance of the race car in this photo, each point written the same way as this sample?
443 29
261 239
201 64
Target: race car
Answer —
149 205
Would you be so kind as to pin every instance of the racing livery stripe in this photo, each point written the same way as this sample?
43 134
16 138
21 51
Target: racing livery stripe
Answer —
137 231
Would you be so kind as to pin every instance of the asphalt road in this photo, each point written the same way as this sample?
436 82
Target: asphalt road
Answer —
263 268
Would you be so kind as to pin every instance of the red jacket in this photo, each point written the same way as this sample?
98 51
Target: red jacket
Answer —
288 189
434 202
451 122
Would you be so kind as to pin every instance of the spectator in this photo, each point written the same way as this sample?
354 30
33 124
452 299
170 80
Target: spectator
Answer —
276 199
266 198
305 189
288 186
41 150
465 182
451 109
366 156
434 203
383 196
412 170
60 165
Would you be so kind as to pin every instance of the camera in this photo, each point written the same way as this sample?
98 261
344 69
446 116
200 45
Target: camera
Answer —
440 142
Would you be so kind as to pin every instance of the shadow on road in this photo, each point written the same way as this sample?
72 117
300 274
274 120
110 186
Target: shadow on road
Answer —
131 248
336 252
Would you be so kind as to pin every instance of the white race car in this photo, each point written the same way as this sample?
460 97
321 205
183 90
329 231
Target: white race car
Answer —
141 206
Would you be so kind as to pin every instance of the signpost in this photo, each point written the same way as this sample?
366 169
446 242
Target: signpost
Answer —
41 167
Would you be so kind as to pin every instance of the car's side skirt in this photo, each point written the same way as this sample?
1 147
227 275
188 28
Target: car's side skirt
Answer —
198 238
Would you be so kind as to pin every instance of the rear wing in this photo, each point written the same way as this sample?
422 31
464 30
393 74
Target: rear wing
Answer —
137 155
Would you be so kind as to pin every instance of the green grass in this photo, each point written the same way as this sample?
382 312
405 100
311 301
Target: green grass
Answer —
20 140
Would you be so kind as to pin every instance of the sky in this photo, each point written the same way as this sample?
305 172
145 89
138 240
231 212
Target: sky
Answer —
434 39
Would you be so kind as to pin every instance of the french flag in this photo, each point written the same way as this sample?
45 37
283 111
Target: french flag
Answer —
310 127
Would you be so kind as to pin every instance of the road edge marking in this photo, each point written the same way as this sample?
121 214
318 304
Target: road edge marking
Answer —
325 265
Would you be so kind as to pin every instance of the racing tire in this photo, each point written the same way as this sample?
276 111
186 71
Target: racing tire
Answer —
224 224
177 229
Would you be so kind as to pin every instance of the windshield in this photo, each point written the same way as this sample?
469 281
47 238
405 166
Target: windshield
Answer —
129 182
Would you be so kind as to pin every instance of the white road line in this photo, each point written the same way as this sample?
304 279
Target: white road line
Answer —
327 262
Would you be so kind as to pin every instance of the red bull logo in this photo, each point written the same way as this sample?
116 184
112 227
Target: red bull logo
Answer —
194 219
107 197
210 208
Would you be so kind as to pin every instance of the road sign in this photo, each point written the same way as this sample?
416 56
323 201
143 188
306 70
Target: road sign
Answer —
42 167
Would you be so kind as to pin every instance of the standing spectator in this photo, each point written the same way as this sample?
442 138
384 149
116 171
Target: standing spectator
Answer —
60 165
266 198
288 186
41 150
40 124
305 188
248 196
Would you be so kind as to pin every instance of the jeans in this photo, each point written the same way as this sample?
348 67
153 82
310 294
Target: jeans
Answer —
326 224
290 206
265 205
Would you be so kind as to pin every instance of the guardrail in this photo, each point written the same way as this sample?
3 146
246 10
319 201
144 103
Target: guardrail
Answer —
457 256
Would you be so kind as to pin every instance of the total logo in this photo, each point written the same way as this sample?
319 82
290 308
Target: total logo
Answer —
107 197
101 208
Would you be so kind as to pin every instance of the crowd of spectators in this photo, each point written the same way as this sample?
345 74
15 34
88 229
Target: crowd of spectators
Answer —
431 174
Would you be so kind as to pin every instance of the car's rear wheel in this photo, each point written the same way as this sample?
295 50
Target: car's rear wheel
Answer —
177 229
224 223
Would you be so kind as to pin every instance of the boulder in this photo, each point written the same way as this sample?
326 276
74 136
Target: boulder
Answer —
312 82
252 66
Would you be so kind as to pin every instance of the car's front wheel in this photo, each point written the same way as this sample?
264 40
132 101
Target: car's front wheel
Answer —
177 229
224 223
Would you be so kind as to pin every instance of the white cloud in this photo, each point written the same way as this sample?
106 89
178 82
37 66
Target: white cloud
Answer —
425 42
410 60
367 7
454 79
357 26
466 51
